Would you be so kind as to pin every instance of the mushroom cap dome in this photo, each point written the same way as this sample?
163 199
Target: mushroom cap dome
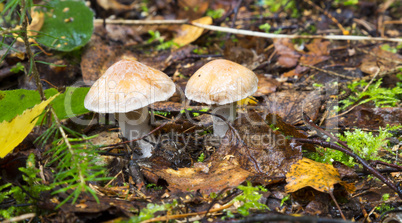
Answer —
221 82
126 86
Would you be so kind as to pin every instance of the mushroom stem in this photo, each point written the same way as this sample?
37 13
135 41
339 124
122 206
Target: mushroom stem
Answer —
135 124
228 111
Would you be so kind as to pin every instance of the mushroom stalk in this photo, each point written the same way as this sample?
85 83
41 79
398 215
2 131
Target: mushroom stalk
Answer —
228 111
135 124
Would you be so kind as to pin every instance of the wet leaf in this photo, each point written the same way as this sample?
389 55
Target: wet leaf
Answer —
369 118
264 150
288 56
207 178
317 52
12 133
291 104
188 33
308 173
266 85
68 25
383 59
275 120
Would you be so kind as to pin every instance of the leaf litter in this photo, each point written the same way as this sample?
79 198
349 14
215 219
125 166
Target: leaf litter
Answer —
258 149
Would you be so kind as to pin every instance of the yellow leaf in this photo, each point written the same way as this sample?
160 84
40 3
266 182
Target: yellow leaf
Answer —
189 33
306 172
12 133
250 100
38 18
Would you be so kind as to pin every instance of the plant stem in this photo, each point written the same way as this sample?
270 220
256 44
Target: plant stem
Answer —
29 52
35 74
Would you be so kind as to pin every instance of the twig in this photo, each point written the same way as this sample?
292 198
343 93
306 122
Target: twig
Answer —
326 71
309 122
31 56
235 12
334 20
20 218
244 32
356 157
35 74
171 217
372 80
292 36
337 205
141 22
287 218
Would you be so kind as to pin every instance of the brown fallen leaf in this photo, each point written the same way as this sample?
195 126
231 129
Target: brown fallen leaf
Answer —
367 117
320 176
291 104
266 85
287 129
264 152
317 52
211 177
188 33
382 59
288 56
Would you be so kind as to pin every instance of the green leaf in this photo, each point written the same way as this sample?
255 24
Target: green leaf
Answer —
67 105
68 25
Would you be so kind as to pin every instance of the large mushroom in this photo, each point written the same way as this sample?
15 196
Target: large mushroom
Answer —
221 83
126 89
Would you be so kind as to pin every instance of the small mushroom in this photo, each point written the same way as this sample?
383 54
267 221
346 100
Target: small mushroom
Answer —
126 89
221 83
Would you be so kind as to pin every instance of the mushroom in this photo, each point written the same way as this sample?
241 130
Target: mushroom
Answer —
126 89
221 83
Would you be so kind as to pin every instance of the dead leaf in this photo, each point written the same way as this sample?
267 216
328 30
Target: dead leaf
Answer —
191 9
287 129
38 18
369 118
288 56
265 150
308 173
384 60
188 33
220 175
317 52
291 104
266 85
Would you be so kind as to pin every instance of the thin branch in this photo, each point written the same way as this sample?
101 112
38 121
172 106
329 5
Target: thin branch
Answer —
292 36
30 54
35 74
141 22
242 31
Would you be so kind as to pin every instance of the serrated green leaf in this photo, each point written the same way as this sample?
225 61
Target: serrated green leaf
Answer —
67 105
68 25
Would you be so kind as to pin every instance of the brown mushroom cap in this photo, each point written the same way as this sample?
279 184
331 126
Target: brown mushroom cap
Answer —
221 82
126 86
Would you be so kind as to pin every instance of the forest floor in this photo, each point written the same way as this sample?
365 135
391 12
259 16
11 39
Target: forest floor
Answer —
318 141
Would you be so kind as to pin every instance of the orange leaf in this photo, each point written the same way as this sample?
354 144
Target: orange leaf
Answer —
308 173
189 33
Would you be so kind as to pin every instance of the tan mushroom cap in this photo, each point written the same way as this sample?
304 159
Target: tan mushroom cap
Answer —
126 86
221 82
